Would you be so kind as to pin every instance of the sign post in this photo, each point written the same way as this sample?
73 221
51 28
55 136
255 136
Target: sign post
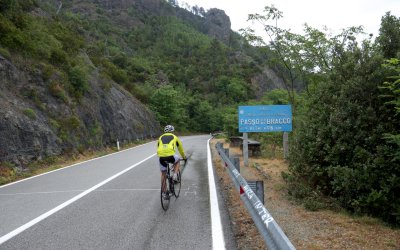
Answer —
245 150
285 145
264 118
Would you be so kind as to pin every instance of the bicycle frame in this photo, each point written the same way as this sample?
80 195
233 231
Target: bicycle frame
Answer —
169 186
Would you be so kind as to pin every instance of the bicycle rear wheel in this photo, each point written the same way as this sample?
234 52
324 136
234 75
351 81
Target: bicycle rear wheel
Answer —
165 195
177 184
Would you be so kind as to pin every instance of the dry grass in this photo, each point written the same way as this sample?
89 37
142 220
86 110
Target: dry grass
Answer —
322 229
246 233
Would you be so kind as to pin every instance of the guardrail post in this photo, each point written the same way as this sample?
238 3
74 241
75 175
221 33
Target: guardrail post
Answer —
258 189
236 163
226 150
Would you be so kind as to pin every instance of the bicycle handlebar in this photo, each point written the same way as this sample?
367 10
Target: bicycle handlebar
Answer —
185 160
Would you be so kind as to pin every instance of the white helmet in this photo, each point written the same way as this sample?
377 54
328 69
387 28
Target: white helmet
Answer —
169 128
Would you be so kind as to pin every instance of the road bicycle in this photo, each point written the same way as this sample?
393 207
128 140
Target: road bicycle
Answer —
172 187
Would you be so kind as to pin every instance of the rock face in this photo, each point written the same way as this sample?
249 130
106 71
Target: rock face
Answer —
218 24
266 81
35 124
215 22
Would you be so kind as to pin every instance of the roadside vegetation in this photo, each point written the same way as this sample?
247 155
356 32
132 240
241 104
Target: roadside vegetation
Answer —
345 141
332 228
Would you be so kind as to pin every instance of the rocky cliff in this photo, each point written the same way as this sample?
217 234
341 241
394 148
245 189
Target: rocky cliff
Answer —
215 22
218 25
35 123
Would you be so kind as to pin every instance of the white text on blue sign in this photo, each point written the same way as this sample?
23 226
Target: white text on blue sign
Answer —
265 118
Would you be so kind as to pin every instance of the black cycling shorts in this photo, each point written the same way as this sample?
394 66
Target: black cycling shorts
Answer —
165 160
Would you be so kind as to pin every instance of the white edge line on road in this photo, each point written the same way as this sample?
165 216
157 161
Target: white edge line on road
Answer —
78 191
218 241
63 205
12 183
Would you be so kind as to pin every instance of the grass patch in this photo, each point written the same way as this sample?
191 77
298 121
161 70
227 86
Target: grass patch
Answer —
311 199
30 113
312 204
9 173
280 186
366 220
5 53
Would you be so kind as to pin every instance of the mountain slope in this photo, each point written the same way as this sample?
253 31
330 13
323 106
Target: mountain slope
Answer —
81 74
36 123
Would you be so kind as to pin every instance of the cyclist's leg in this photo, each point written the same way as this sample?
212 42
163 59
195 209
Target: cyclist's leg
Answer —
177 167
163 183
177 164
163 169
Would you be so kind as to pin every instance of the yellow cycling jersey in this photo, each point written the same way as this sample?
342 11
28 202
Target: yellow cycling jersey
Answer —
167 144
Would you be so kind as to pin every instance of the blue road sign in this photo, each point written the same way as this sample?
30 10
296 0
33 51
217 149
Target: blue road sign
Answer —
265 118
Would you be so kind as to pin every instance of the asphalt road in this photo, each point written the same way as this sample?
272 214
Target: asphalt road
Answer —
112 202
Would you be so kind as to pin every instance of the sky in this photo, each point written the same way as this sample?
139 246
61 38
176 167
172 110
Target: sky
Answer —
335 15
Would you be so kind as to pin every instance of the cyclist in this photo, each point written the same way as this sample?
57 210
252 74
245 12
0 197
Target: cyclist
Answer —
166 151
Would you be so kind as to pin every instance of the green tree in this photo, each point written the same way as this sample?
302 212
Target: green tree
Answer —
166 104
345 135
202 116
339 142
230 121
303 60
275 97
389 36
281 42
236 90
391 96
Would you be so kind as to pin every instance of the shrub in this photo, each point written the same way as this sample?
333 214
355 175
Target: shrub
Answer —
54 124
59 57
117 74
5 53
72 123
68 129
79 81
57 90
7 172
30 113
339 144
313 204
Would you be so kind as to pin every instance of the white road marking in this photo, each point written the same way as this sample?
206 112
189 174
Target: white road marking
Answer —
50 192
128 189
76 191
12 183
63 205
216 225
189 188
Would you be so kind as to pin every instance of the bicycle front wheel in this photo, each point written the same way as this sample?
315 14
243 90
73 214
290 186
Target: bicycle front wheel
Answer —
177 184
165 191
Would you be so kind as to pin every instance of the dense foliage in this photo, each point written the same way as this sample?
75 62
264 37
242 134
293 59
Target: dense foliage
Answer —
186 77
340 145
345 142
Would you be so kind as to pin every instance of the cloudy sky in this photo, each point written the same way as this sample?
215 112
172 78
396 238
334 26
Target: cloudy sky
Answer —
336 15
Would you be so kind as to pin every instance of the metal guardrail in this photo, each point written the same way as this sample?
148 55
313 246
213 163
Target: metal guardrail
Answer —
273 235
